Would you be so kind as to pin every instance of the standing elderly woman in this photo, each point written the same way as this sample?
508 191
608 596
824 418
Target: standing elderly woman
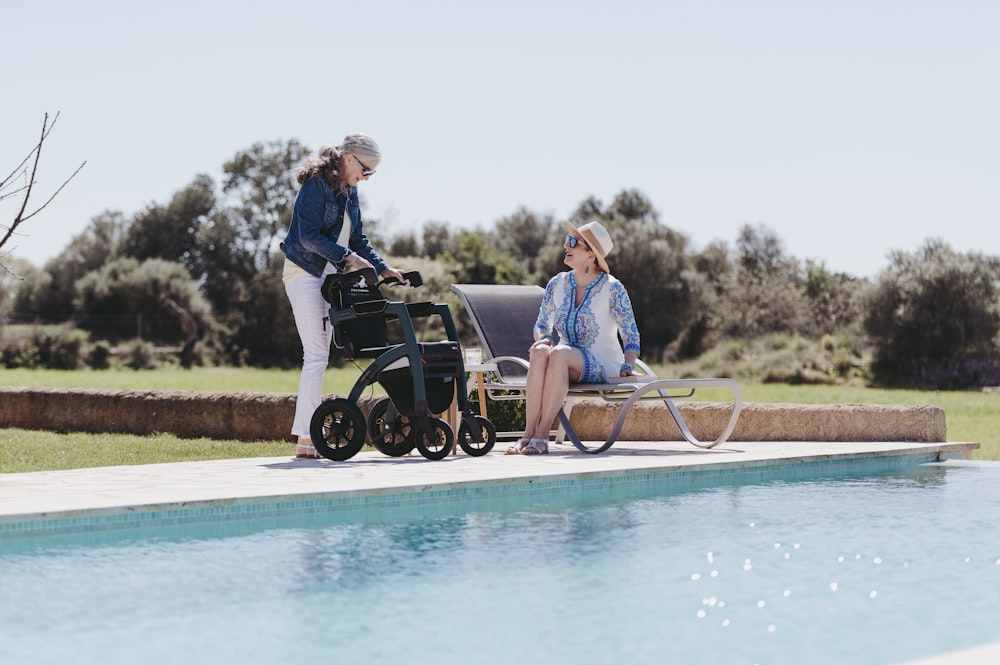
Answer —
325 236
587 308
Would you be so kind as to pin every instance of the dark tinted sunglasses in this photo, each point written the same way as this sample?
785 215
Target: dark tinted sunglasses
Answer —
365 171
573 241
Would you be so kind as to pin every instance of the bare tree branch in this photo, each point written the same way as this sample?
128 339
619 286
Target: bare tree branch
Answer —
65 182
34 156
38 146
13 193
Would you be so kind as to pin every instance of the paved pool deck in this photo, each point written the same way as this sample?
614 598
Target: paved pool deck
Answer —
95 499
39 501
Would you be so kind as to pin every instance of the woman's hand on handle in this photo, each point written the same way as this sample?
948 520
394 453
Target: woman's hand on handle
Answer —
392 272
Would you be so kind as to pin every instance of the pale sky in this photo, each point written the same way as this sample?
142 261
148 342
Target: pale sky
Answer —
848 127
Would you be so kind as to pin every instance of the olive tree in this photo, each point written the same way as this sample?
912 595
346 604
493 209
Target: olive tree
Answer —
127 298
477 260
436 237
171 232
934 318
262 181
834 300
765 293
46 295
523 235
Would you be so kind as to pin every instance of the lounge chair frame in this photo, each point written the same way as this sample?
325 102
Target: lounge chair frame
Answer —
504 316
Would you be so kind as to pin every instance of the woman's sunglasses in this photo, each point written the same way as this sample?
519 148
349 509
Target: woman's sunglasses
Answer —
573 241
365 171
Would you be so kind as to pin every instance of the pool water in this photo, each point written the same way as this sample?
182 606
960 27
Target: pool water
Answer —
866 569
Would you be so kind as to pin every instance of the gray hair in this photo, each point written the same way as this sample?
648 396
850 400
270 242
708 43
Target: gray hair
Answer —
363 147
327 160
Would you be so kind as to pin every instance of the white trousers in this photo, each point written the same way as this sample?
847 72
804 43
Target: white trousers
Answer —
310 311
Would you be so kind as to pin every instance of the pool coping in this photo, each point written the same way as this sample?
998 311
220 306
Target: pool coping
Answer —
122 497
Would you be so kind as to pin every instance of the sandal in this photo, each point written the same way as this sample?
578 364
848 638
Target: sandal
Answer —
518 447
536 447
305 451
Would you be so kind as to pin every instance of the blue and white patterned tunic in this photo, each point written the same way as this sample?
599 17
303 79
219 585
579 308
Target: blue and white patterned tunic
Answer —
593 326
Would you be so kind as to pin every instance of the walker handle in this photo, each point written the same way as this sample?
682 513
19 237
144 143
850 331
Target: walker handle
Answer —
413 277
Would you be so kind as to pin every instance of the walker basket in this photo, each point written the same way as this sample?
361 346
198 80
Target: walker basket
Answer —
442 365
364 337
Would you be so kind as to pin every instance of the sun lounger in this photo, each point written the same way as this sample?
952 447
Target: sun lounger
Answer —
504 316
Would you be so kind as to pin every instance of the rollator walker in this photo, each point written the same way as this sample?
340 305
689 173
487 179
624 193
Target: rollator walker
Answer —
420 378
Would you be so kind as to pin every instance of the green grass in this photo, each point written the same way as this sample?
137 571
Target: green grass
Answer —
33 450
971 416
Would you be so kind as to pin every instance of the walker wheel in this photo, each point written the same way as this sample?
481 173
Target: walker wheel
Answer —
395 438
439 444
488 434
338 429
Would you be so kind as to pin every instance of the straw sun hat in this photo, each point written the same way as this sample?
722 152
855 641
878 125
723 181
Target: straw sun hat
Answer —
597 238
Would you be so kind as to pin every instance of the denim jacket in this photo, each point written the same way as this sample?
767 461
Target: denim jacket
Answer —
316 222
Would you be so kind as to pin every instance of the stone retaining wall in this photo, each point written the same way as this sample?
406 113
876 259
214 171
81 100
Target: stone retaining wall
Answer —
649 421
268 416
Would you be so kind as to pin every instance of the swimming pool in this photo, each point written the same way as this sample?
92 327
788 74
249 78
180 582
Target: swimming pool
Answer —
876 568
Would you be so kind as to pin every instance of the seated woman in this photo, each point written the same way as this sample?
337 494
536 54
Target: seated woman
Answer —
588 309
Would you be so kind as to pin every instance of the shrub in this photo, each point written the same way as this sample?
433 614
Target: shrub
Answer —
125 298
100 355
781 358
46 347
64 348
138 354
934 317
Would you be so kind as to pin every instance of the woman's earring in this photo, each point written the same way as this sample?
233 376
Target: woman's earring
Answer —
586 270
